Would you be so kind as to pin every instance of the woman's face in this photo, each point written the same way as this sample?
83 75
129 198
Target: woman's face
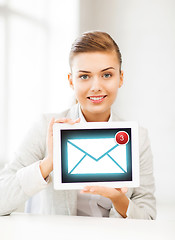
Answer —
95 79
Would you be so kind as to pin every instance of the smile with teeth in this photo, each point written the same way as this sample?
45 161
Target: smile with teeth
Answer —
96 99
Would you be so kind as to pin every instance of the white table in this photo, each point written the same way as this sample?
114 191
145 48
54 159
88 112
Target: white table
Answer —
27 226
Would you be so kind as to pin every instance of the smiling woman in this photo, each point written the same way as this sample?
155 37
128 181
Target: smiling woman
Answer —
95 77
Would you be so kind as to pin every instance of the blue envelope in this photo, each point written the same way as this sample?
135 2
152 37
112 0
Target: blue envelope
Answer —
90 156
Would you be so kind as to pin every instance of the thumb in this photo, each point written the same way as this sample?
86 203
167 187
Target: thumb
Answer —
124 190
50 130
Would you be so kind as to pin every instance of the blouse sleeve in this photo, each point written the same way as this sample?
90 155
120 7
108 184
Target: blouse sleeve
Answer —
21 178
142 202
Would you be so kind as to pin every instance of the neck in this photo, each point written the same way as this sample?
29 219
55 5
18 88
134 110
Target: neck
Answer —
97 117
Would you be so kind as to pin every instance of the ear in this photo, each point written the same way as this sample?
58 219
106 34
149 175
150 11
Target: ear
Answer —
70 80
121 79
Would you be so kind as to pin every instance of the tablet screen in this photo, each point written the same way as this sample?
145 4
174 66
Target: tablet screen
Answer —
94 155
87 154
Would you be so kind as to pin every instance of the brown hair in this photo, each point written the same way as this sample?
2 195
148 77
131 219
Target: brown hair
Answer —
94 41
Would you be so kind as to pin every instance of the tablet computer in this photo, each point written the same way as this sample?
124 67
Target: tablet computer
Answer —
95 153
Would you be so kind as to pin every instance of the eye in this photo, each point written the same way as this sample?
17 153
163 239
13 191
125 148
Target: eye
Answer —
107 75
84 77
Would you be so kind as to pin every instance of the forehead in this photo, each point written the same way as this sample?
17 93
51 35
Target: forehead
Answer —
94 61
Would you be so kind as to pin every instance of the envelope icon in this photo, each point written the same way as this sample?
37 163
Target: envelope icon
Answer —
90 156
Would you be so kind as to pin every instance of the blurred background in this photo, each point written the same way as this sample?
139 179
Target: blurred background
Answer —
35 40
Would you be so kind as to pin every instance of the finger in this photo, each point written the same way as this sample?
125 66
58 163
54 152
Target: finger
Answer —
122 190
77 120
103 191
51 126
85 189
61 120
67 120
100 190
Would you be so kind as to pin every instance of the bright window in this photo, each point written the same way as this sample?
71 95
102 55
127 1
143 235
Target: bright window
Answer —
36 37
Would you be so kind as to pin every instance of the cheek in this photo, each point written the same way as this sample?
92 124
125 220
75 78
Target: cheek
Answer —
79 90
112 87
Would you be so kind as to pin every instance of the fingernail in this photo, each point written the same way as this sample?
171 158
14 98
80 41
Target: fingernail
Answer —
85 189
78 119
92 190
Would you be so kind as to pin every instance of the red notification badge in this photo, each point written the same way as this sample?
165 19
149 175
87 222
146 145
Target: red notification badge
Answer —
122 137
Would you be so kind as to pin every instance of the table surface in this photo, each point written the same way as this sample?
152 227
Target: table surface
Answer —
28 226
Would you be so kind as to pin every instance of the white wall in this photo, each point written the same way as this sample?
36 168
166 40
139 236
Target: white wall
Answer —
145 32
35 40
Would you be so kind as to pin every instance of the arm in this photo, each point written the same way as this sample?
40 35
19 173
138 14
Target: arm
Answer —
141 203
142 200
26 175
22 178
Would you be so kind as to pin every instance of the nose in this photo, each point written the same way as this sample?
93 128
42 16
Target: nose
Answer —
96 85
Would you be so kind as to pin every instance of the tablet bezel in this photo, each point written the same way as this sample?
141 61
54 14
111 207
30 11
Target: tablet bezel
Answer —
57 127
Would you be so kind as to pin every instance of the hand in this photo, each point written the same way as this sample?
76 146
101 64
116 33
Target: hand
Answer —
46 166
116 195
104 191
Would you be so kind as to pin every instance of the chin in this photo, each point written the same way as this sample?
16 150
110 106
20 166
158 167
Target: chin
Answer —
99 109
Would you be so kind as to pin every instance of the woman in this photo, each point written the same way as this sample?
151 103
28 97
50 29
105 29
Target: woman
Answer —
96 76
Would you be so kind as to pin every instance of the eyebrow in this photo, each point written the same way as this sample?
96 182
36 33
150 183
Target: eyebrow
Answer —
107 69
100 71
84 71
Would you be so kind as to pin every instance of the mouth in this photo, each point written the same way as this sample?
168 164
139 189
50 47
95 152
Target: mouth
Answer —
97 99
